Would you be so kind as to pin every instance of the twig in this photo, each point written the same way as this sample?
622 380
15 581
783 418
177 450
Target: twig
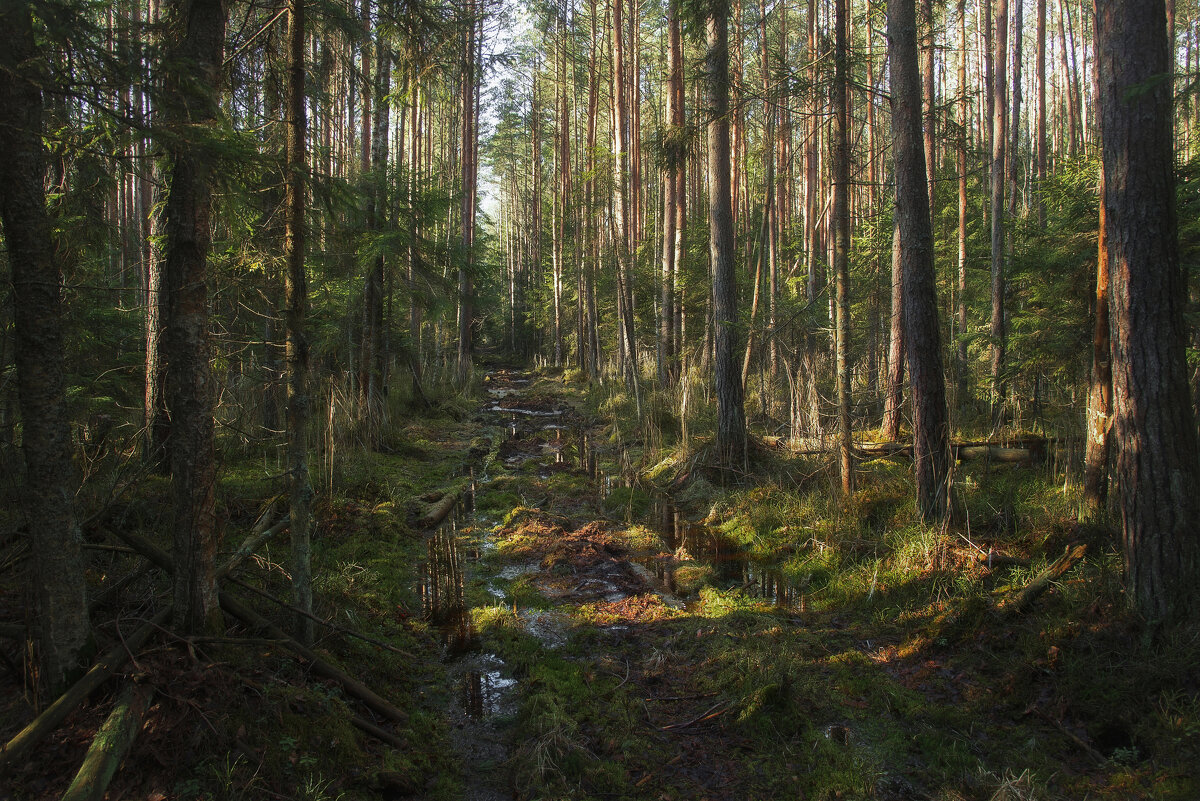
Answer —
713 711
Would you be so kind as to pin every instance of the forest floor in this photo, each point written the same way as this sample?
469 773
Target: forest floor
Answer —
585 624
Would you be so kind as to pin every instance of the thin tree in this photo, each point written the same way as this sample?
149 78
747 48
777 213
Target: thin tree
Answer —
1157 466
841 241
931 436
999 151
192 73
731 416
59 589
296 297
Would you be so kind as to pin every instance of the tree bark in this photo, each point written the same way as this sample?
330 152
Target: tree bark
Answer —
731 416
893 400
1157 467
931 440
999 151
58 581
296 291
190 86
841 242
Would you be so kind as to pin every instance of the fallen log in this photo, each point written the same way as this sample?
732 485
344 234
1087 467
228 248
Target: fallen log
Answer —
19 746
352 685
111 744
250 545
379 734
1032 591
439 511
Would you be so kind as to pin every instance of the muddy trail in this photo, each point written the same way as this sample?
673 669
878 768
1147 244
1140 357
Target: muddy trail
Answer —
549 602
603 639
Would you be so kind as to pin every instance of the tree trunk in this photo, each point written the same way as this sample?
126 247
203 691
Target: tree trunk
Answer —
841 242
999 150
893 400
731 417
1099 408
58 584
961 363
296 292
931 441
192 76
1157 468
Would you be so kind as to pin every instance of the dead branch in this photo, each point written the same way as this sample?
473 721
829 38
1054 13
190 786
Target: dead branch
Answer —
1025 598
111 744
16 749
352 685
379 734
251 544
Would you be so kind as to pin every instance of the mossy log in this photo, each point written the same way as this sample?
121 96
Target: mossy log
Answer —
111 744
438 511
19 746
1032 591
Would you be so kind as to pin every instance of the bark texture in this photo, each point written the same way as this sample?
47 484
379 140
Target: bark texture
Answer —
731 416
50 480
931 440
1157 465
193 71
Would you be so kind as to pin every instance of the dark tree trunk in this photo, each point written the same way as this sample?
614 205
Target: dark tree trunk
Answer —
1157 467
296 290
731 416
190 85
931 440
371 354
841 242
60 591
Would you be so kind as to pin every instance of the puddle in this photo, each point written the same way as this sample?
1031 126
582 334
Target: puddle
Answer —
732 568
484 689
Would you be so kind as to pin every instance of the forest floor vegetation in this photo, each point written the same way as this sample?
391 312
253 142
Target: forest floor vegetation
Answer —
601 616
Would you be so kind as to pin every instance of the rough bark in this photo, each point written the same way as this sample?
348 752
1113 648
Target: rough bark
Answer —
893 399
50 480
731 416
296 291
1099 403
841 241
190 88
1157 467
931 440
999 151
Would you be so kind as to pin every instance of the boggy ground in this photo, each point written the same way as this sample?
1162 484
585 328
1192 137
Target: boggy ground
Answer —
764 643
571 632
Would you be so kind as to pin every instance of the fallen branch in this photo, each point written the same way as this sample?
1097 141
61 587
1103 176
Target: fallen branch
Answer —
379 734
438 512
1025 598
352 685
19 746
250 545
111 744
719 708
327 624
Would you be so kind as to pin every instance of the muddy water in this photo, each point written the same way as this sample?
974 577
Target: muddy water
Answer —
732 567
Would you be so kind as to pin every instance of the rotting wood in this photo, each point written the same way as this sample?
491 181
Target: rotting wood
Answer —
437 512
352 685
111 744
1032 591
994 559
19 746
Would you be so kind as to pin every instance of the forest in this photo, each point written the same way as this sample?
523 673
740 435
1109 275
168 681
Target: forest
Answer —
646 399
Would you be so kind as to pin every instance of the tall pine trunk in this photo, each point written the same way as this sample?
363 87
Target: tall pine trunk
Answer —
1157 468
59 588
193 73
